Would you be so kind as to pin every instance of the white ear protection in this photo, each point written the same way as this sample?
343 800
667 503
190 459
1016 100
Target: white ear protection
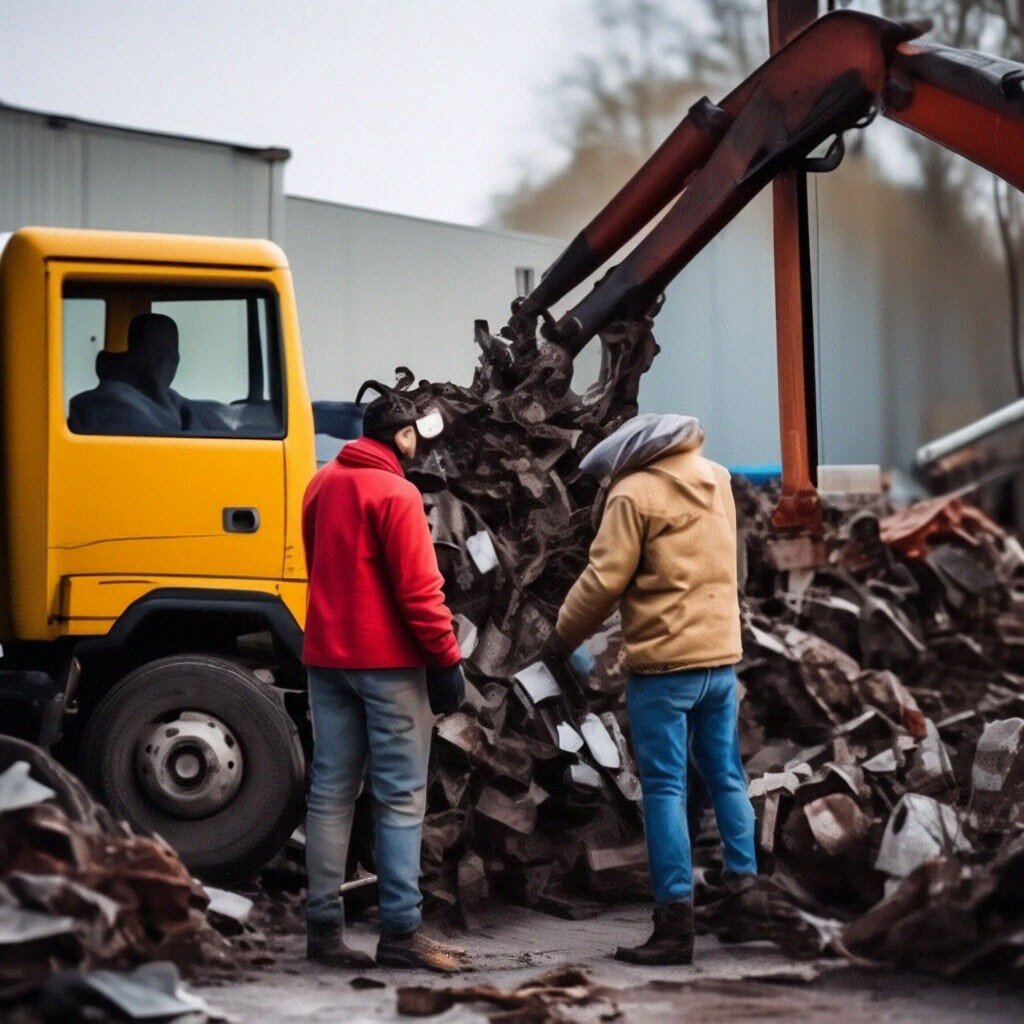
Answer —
430 425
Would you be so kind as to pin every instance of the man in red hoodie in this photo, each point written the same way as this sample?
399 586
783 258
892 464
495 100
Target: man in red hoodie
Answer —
377 631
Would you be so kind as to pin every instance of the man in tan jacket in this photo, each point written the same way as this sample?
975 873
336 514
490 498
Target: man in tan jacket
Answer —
666 552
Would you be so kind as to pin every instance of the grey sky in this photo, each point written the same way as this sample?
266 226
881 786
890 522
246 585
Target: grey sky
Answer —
424 107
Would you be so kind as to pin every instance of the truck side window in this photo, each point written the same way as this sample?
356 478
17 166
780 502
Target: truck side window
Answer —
164 361
84 321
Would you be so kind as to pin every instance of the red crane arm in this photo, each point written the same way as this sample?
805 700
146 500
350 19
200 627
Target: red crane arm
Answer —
968 102
822 83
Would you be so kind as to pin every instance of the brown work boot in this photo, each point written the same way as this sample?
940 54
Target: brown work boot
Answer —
415 950
671 942
325 944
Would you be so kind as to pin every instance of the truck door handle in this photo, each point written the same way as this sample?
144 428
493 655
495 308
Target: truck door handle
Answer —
241 520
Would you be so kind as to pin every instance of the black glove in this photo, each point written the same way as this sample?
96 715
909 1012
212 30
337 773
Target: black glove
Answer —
555 650
446 688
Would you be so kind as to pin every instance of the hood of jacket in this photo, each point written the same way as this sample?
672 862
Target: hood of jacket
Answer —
365 453
641 440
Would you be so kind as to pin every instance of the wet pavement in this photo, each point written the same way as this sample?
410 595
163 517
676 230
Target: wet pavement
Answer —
511 945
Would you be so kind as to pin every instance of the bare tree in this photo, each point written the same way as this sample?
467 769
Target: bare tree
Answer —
995 26
615 95
1006 206
649 60
1004 20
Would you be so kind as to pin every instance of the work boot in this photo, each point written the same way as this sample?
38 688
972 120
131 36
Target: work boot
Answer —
671 942
325 944
415 950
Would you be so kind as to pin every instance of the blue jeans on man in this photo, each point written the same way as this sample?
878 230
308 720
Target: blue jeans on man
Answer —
675 716
378 719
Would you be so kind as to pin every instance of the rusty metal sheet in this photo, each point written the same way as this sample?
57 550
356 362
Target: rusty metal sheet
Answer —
912 530
786 554
837 823
516 813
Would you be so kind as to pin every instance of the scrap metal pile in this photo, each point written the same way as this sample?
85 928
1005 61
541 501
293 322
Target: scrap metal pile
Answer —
884 730
884 683
533 793
81 894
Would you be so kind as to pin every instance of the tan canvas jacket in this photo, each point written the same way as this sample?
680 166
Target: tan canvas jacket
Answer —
666 551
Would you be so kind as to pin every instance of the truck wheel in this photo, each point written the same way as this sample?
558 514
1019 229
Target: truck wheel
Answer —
195 749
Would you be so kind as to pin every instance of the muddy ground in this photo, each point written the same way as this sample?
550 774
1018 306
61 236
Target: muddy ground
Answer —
512 945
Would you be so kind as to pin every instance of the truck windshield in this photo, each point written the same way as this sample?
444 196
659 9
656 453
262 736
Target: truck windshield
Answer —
160 361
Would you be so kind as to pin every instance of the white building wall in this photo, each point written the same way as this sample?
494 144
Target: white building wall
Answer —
912 324
377 290
717 338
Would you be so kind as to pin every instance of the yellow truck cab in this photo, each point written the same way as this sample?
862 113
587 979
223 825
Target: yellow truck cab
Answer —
157 438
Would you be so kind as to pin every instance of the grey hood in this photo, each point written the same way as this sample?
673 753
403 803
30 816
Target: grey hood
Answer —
640 440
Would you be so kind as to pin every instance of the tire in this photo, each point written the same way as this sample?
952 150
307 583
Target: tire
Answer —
233 840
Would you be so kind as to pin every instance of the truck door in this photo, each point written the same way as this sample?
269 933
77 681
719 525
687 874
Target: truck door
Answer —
167 435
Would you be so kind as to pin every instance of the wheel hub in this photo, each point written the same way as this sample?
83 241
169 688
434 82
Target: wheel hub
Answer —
191 766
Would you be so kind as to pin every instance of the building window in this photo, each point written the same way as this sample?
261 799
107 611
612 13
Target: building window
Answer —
524 280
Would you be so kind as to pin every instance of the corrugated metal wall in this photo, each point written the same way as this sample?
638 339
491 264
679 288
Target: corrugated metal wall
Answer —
67 173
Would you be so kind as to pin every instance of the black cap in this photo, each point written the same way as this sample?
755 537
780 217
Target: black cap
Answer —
393 410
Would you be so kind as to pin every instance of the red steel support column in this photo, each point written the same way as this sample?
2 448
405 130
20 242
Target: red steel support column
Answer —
799 507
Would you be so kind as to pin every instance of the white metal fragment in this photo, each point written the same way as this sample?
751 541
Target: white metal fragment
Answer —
229 904
919 829
18 789
568 738
601 745
998 748
466 633
584 775
481 550
538 682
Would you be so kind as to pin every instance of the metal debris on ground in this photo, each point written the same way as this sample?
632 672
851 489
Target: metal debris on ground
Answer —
883 735
152 992
228 912
536 1001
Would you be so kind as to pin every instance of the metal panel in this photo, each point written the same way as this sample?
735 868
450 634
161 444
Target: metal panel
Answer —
716 333
147 184
40 172
63 172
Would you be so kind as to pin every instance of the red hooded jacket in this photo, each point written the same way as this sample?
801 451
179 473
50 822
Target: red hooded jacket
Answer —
375 598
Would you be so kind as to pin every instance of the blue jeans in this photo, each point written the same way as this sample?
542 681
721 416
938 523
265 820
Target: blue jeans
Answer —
379 718
671 715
